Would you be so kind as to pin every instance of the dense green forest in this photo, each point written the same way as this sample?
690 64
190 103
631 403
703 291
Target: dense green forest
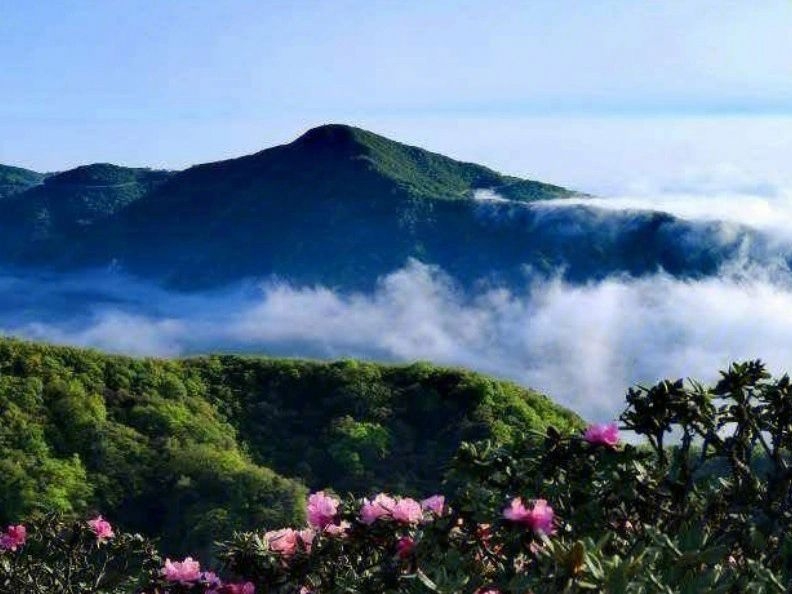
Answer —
59 207
15 179
189 450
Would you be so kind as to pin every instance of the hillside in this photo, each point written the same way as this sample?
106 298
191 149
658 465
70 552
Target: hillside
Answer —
64 205
191 449
15 179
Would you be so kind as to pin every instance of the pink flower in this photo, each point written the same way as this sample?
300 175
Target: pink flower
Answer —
305 590
606 434
404 547
538 518
322 509
185 572
102 529
407 511
337 530
434 504
13 538
488 591
214 585
372 510
285 542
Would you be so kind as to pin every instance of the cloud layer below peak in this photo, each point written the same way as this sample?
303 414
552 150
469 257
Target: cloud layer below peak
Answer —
583 345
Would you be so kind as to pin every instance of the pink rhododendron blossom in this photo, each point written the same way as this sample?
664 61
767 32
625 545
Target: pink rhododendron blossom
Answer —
305 590
602 434
13 538
211 580
322 509
184 572
102 529
337 530
407 511
372 510
538 518
405 546
434 504
283 541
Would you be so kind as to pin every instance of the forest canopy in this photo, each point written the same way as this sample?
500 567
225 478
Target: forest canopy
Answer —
191 450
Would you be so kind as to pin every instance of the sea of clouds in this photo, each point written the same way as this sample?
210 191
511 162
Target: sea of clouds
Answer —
583 344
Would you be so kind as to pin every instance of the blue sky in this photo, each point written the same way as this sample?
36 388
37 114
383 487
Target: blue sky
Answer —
572 91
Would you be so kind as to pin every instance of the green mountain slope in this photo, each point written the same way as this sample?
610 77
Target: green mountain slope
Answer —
191 449
15 179
66 204
418 171
339 205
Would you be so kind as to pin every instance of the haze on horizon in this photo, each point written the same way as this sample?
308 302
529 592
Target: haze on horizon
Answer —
605 97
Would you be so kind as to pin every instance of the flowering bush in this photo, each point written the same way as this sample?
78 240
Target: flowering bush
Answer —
49 555
702 504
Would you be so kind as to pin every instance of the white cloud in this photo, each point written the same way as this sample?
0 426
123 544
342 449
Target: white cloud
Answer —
771 212
583 345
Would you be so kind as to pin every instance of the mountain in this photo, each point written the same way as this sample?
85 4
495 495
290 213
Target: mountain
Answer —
191 449
15 179
340 207
64 205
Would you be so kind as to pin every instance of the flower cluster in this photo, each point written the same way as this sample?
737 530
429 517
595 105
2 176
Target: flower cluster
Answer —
13 538
402 510
188 573
322 510
286 542
602 434
102 529
538 517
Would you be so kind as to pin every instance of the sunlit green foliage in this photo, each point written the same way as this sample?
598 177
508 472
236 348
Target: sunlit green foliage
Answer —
192 449
686 510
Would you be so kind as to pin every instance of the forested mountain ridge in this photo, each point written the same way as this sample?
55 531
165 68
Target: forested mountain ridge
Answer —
16 179
59 209
191 449
339 207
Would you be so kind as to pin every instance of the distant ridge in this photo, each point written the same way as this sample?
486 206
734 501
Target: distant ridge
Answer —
15 179
60 207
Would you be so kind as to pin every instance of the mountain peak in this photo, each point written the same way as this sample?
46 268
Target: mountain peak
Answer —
420 172
334 137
